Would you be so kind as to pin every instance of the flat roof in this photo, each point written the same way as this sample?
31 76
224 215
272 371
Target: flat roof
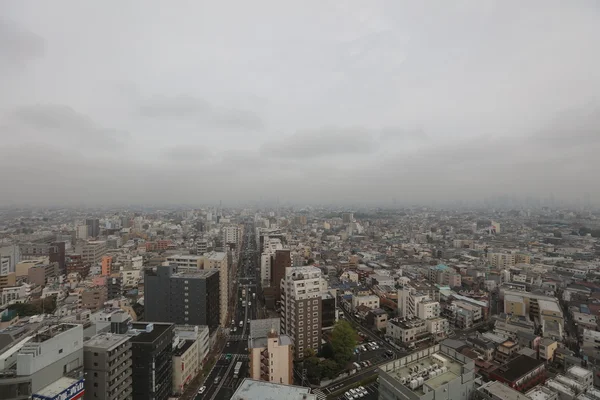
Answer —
578 371
184 347
549 305
106 341
149 337
540 393
501 391
199 274
57 387
215 256
253 389
517 367
454 370
513 298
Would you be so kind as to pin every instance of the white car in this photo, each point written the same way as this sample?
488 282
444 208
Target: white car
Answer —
249 303
362 390
202 390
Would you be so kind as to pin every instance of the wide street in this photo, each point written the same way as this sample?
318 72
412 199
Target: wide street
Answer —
220 382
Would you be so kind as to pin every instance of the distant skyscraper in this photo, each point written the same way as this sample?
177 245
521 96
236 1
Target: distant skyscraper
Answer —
347 217
93 225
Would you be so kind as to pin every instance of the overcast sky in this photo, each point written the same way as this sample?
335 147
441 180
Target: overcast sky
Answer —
304 101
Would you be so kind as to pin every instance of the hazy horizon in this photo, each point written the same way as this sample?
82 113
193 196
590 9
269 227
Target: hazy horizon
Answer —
303 103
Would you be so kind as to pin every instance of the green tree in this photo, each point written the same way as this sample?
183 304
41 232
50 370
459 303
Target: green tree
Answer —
343 342
313 368
329 369
327 351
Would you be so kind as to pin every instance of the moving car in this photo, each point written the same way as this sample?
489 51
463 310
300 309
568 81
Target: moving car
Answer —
217 379
202 390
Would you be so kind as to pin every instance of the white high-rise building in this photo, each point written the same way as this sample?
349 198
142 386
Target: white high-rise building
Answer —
271 245
232 234
301 308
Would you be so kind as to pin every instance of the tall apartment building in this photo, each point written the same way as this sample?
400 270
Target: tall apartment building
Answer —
279 263
218 261
301 308
94 298
107 364
271 358
201 246
91 251
501 260
408 301
107 265
75 263
152 360
93 225
13 254
270 246
55 250
114 286
81 232
4 265
187 298
31 365
40 274
428 309
232 234
347 217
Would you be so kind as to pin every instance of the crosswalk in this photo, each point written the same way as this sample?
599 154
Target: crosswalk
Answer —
239 357
320 394
238 338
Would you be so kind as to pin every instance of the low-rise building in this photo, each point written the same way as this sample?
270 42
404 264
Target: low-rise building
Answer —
521 373
251 389
377 318
435 373
185 364
370 301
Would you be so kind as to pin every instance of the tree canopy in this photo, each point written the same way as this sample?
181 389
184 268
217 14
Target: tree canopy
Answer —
343 341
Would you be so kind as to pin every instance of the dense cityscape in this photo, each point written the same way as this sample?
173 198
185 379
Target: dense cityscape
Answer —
300 303
299 200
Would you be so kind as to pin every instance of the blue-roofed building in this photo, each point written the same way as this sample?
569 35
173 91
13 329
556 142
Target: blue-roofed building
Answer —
584 309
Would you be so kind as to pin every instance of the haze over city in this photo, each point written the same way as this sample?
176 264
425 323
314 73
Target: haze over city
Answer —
310 102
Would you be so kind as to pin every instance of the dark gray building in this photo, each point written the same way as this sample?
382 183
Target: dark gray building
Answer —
184 298
107 364
114 287
93 225
152 360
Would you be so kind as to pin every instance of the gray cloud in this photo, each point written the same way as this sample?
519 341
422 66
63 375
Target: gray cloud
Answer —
18 46
324 142
201 111
420 102
195 153
54 123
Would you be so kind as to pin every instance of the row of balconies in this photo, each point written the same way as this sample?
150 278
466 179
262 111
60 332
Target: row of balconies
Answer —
120 368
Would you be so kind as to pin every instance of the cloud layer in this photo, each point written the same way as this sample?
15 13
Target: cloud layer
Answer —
311 102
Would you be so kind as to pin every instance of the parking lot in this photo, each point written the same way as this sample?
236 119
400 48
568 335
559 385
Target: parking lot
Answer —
372 392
